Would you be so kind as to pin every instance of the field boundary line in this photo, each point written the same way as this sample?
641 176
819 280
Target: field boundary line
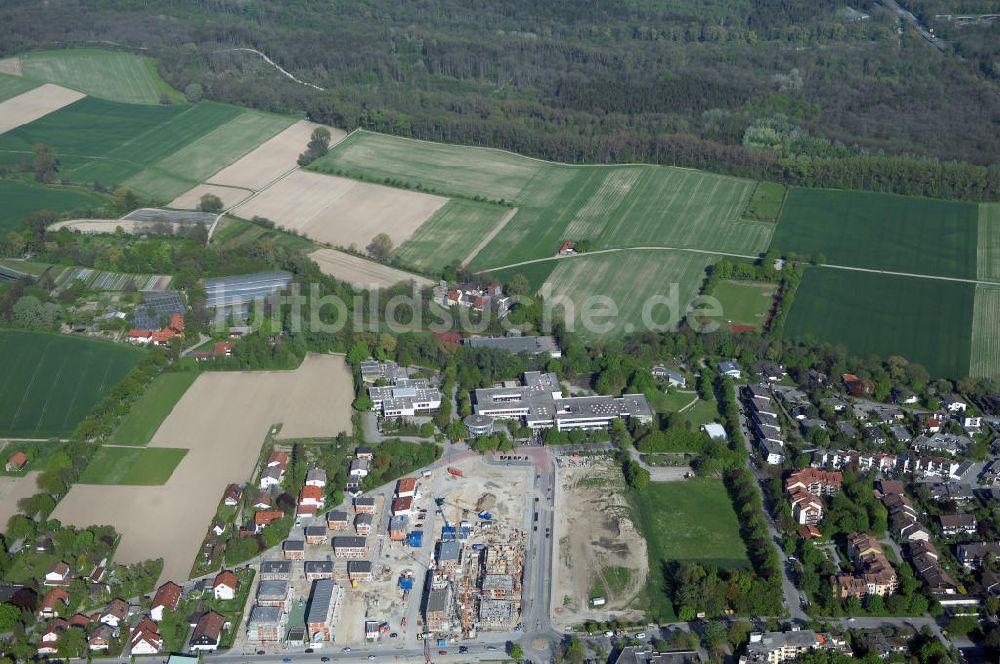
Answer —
548 161
249 198
732 255
492 234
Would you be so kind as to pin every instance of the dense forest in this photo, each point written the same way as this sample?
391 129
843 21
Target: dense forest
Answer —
814 93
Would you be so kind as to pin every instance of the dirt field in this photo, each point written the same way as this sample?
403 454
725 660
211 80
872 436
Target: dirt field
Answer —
11 66
190 199
594 533
13 489
272 158
223 419
33 104
340 211
360 272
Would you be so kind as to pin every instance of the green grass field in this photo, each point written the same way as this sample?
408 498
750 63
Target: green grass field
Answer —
51 382
985 352
744 302
765 202
686 522
234 232
451 233
112 75
197 161
612 206
663 282
146 416
988 258
12 86
21 200
881 231
925 320
535 273
144 466
39 454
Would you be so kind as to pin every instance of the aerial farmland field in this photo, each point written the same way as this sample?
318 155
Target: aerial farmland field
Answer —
21 199
33 104
985 359
11 86
452 233
745 303
881 231
630 279
141 466
51 382
925 320
988 260
146 416
111 75
612 206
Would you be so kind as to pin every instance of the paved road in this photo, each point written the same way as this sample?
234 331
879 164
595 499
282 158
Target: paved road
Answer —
908 16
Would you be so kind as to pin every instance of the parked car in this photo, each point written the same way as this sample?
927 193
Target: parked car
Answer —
640 635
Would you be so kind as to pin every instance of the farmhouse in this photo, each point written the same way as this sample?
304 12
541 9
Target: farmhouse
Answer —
16 462
539 403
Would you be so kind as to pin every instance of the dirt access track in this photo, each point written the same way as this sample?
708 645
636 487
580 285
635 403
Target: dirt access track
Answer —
33 104
222 419
340 211
362 273
594 532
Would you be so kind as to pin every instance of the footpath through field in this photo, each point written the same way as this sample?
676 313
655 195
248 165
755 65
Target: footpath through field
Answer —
731 255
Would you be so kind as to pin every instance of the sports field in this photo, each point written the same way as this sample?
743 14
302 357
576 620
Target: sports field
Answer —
988 259
112 75
51 382
146 416
142 466
985 357
658 284
451 234
925 320
11 86
612 206
881 231
744 302
21 200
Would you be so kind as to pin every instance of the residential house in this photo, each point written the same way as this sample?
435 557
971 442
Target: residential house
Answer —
364 452
294 549
336 520
318 569
319 614
275 570
773 453
145 638
99 638
855 386
972 425
263 502
971 556
115 613
731 369
264 518
954 403
315 534
364 504
398 526
815 481
957 524
806 508
437 609
350 547
769 371
672 378
265 624
224 586
406 487
359 570
51 634
363 523
274 593
401 506
168 596
778 647
449 557
232 495
208 632
54 603
873 568
58 575
311 500
316 477
270 477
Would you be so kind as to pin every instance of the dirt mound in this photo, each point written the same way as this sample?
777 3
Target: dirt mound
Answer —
486 502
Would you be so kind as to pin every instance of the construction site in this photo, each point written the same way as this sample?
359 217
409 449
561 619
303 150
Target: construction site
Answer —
475 583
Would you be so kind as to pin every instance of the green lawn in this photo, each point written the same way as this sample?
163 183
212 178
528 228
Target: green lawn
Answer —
12 86
233 232
536 273
686 522
925 320
985 351
881 231
112 75
146 415
50 382
21 200
765 202
143 466
655 285
744 302
612 206
451 234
